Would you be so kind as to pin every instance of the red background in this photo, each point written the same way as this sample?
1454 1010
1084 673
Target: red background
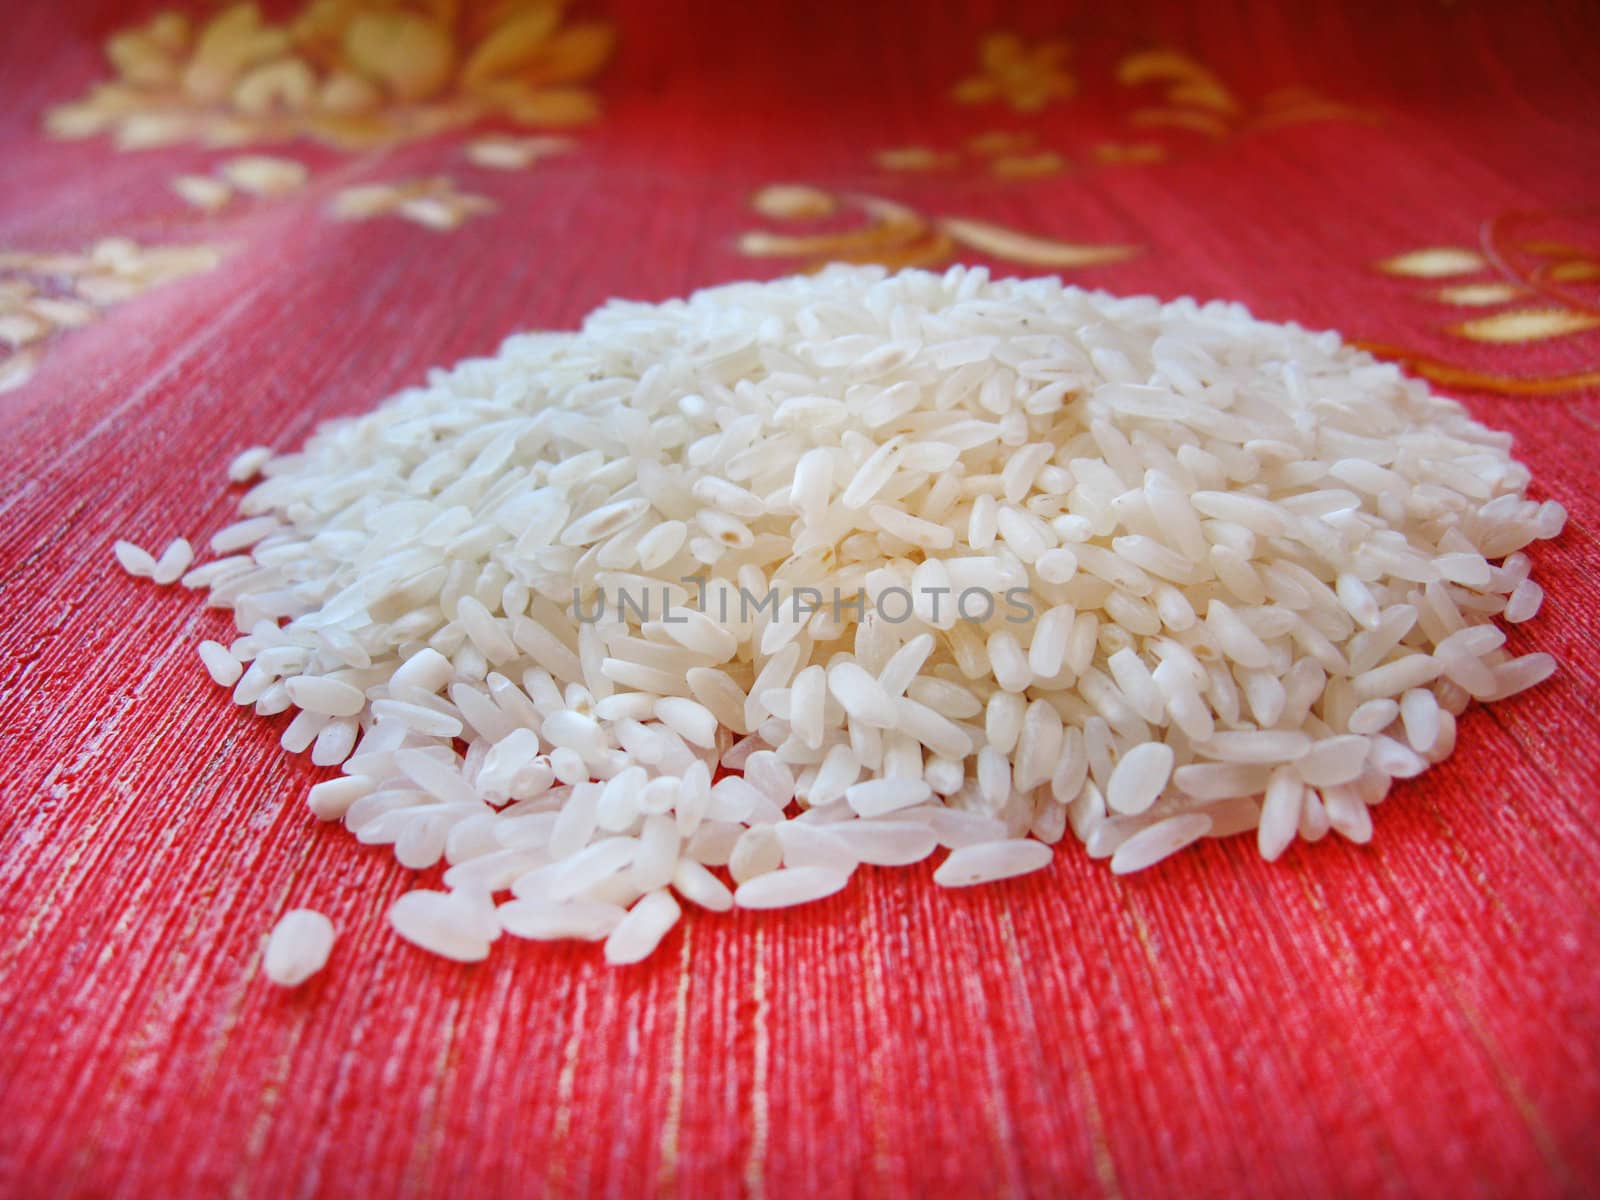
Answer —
1420 1016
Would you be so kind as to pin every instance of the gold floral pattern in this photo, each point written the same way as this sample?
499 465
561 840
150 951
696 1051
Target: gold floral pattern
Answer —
1519 288
1022 77
997 143
42 294
434 202
1542 281
1129 152
349 73
1195 99
917 158
1027 78
896 235
1005 154
1435 262
1028 166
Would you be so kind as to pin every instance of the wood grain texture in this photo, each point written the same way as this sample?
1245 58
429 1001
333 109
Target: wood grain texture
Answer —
1417 1017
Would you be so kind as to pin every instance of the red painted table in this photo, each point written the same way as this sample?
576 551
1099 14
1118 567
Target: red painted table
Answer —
308 208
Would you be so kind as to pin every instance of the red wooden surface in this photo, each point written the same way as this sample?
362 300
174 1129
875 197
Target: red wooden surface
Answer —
1421 1016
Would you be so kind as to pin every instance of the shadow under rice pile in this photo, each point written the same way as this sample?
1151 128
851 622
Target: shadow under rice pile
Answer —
719 599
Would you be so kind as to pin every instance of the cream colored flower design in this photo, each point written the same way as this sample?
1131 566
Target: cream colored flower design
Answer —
351 73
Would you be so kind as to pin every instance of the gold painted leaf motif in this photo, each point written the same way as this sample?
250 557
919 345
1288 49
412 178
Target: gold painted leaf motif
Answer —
1435 262
1194 120
1028 166
1526 325
1479 293
916 158
1574 271
1029 248
512 45
1451 375
409 54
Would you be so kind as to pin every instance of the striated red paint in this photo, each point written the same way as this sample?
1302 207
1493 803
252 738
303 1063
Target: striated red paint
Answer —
1419 1017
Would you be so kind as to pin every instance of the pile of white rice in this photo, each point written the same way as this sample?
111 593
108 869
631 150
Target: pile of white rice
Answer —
1239 577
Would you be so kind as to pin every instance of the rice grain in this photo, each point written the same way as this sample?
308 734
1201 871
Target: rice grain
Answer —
934 560
298 947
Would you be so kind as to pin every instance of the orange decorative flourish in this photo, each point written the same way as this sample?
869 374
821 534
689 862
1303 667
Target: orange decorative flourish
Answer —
896 235
1542 288
1186 79
1582 264
1503 271
1024 78
1451 375
1194 120
917 158
1130 152
1002 141
1006 154
1301 114
350 73
1197 100
1028 166
44 294
1571 271
1546 249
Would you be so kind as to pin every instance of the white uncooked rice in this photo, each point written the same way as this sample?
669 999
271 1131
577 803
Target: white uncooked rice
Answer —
790 886
298 947
174 561
1140 777
985 862
447 923
222 666
527 604
637 935
135 560
1158 841
548 920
